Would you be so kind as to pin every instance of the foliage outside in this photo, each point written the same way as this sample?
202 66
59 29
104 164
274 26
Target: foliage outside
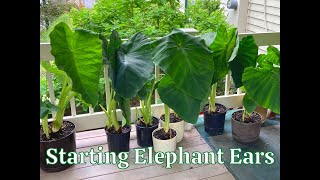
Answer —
153 18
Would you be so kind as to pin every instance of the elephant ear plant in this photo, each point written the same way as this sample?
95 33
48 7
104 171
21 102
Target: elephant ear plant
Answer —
130 66
78 63
261 80
45 108
222 44
186 62
146 123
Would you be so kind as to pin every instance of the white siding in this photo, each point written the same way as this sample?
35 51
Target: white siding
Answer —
263 16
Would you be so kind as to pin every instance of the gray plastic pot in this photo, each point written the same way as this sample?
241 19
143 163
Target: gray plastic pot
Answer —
246 132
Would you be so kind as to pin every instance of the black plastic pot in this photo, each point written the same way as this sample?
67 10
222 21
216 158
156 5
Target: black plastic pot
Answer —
246 132
118 142
214 122
144 134
68 144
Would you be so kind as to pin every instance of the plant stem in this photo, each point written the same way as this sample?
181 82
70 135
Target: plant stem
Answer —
244 114
45 128
57 123
167 118
212 104
148 107
109 116
114 120
144 112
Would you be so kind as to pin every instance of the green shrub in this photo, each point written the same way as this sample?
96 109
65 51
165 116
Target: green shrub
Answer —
206 15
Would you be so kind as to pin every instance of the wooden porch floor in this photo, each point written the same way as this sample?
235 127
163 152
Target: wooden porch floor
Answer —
192 141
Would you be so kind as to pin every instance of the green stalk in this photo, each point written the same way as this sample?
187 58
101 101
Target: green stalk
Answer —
212 106
45 126
70 95
57 123
144 112
244 114
114 120
149 104
109 116
167 118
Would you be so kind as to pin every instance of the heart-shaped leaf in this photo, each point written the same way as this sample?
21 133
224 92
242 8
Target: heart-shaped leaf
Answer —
186 106
263 86
46 107
248 103
246 57
79 54
187 61
222 47
133 65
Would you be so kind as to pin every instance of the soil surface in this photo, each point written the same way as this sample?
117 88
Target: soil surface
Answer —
174 118
122 130
141 123
161 134
66 129
219 109
254 117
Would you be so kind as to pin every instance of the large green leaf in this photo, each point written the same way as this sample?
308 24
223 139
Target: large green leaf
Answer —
46 107
125 108
222 47
263 86
79 54
246 57
274 50
60 75
133 66
262 63
187 60
110 53
146 89
186 106
249 104
209 38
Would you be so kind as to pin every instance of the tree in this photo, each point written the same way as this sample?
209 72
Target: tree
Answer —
52 9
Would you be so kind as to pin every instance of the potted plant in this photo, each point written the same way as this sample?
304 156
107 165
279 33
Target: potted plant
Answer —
78 58
146 123
185 60
176 123
130 67
261 81
221 43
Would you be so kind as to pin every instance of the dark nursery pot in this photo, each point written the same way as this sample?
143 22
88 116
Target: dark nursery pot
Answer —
246 132
214 122
144 134
118 142
67 143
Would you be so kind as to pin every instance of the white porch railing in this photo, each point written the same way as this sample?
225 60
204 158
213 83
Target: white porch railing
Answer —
94 120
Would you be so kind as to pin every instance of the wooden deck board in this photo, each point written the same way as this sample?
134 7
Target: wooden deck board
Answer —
225 176
192 141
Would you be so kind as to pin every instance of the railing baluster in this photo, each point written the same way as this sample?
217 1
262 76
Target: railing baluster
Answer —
91 110
227 84
51 91
73 107
157 78
239 91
